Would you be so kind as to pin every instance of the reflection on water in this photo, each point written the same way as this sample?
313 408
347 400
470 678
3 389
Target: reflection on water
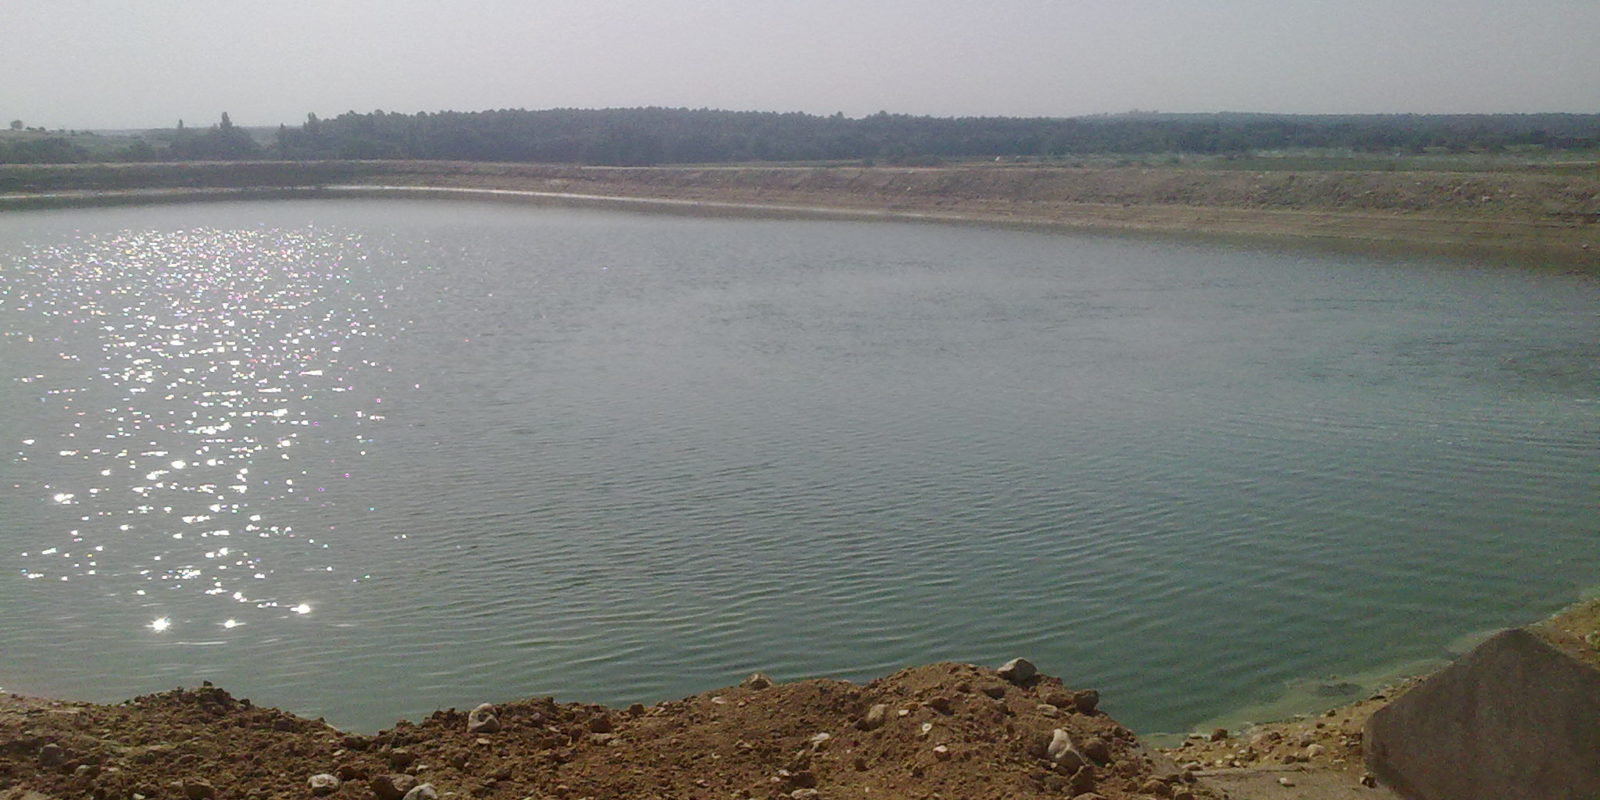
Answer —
181 382
364 459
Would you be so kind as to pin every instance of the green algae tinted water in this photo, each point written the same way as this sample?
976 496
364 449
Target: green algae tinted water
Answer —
364 459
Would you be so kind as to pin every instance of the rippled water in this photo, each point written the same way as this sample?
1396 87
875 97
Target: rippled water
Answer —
364 459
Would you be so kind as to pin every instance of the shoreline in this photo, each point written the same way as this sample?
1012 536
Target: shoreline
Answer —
930 690
957 729
1530 218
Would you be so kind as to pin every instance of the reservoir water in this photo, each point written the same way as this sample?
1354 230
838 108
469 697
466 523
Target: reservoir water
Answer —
367 458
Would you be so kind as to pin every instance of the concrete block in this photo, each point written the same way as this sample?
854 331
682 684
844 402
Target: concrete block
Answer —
1514 718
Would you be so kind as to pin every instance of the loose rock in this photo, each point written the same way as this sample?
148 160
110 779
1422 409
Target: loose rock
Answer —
1062 751
423 792
757 681
1097 749
323 784
392 787
196 789
51 755
1157 788
1086 700
1018 670
874 718
482 719
1082 780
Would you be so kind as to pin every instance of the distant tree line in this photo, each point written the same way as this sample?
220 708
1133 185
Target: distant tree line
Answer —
647 136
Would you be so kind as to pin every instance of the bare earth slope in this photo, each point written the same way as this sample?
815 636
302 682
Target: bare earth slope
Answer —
1556 214
945 730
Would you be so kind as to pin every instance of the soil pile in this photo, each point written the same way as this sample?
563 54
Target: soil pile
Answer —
945 730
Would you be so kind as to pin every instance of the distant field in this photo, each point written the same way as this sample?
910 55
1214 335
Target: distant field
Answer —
1521 207
1572 162
98 145
113 145
1567 162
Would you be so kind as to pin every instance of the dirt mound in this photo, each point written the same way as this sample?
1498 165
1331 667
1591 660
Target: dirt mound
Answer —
945 730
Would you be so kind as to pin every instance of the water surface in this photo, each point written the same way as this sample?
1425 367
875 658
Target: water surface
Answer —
364 458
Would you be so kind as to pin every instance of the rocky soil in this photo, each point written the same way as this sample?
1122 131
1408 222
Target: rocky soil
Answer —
939 731
1328 745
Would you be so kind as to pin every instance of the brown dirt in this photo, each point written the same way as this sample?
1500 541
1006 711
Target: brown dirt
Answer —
951 731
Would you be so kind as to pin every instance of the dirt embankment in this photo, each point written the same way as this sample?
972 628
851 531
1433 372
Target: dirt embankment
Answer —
945 730
939 731
1498 210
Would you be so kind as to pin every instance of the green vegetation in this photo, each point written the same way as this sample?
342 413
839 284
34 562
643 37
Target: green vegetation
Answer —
651 136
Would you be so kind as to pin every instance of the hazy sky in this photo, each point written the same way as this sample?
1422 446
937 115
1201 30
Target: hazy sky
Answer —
116 63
